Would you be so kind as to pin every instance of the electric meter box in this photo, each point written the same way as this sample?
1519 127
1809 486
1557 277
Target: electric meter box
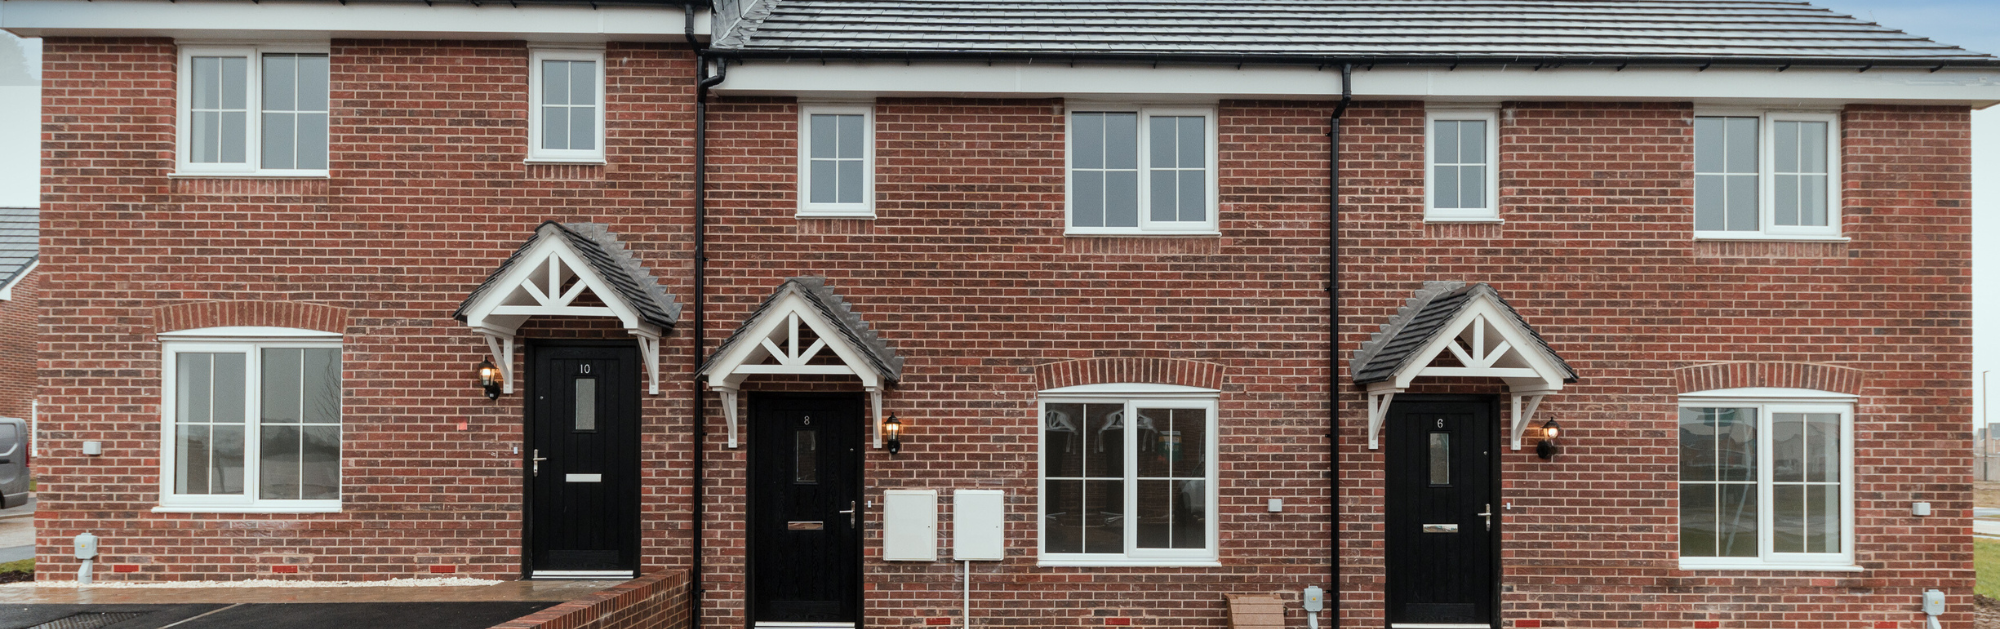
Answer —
979 525
909 525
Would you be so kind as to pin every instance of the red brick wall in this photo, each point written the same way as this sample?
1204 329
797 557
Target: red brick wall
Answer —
428 195
17 347
654 601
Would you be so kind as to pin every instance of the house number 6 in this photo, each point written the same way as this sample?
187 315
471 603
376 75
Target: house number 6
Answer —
585 368
1440 421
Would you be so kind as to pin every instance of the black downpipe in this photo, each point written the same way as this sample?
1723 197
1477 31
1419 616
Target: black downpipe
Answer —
702 83
1333 318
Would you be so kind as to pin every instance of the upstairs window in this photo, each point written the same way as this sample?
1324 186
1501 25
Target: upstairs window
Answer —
1462 181
566 106
1767 175
255 110
1142 171
837 161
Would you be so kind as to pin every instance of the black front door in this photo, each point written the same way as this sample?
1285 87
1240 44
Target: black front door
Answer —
1442 523
583 461
805 524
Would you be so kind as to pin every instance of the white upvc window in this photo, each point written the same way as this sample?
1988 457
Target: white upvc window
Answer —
253 110
1461 174
1766 175
566 106
1128 480
1141 170
1766 480
837 161
251 421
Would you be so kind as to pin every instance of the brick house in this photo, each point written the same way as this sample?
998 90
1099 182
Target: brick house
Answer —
1625 313
18 291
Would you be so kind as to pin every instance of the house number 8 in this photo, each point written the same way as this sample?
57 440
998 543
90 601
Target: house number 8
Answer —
586 368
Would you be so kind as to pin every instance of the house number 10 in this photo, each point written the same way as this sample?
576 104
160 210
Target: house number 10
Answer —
585 367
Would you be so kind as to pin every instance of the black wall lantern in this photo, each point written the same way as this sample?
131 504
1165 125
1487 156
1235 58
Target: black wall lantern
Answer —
489 377
1548 449
892 430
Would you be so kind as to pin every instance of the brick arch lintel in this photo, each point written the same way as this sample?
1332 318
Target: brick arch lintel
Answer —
1743 375
1070 373
275 314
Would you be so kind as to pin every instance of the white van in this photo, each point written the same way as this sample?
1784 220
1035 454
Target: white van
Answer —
13 462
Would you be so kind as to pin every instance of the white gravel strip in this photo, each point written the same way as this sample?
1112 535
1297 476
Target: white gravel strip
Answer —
261 583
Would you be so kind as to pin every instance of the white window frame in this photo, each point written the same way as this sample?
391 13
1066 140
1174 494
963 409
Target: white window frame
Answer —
864 209
1133 397
539 155
1767 227
1488 214
1147 226
1768 401
248 341
184 164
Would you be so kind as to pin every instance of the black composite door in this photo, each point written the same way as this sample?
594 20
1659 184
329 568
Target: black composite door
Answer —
583 461
1442 522
805 471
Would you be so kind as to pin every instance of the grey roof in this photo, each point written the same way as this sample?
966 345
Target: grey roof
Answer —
881 358
1421 319
600 248
20 232
1468 31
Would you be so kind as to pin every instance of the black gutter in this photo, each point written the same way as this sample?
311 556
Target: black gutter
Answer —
1333 313
1538 61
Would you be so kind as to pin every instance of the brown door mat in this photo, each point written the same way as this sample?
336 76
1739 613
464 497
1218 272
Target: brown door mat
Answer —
1255 610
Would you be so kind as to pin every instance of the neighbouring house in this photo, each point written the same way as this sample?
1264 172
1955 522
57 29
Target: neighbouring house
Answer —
1033 313
19 288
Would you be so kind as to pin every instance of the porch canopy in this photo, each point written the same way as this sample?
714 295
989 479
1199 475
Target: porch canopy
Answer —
803 328
575 270
1451 329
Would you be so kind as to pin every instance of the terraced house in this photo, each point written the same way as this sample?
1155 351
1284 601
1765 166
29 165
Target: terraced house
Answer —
1567 313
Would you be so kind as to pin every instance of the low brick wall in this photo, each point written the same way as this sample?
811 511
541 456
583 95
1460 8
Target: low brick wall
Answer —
655 600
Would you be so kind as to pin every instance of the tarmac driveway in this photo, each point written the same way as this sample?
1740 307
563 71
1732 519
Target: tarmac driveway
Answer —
474 615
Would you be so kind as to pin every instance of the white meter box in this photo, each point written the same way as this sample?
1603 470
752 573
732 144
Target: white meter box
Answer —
979 525
909 525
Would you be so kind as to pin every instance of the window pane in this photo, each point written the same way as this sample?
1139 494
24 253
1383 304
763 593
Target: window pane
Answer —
235 82
235 130
313 79
312 141
1445 151
1472 186
583 83
1190 454
1062 524
207 83
1104 441
853 138
1121 198
555 83
1785 147
1785 202
278 474
1741 146
1697 447
1472 142
193 384
1708 145
1193 142
1736 520
1788 518
805 456
823 178
1062 444
1812 147
191 455
1823 519
279 387
229 389
1698 533
1165 207
206 137
825 137
1086 208
1813 200
1191 514
851 186
1742 203
319 474
278 140
555 128
1156 513
1446 187
1736 444
1788 447
585 403
1440 458
1160 141
1121 140
1156 442
1104 516
1087 141
281 82
583 128
1194 195
1823 447
225 471
1709 202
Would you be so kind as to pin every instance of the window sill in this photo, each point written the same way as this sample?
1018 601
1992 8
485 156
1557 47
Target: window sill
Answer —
1129 563
1487 220
857 214
1770 567
1140 234
1749 237
251 175
333 508
569 161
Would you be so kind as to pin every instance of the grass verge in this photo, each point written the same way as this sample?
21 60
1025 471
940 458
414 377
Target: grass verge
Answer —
1986 562
23 570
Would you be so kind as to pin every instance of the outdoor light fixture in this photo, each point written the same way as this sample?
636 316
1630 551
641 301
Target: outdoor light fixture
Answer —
1547 449
893 431
489 377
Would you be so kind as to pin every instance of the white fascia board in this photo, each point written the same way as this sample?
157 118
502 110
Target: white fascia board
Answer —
1762 87
296 21
7 290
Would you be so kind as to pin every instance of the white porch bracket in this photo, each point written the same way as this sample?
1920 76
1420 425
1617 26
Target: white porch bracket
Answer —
502 347
875 400
729 411
1524 415
1378 412
649 351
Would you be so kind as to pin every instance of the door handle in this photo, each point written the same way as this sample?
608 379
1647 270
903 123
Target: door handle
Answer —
537 463
850 514
1488 514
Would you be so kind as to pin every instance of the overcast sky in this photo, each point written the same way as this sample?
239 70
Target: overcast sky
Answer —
1966 23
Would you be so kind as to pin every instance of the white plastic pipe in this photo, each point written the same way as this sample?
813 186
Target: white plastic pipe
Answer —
968 595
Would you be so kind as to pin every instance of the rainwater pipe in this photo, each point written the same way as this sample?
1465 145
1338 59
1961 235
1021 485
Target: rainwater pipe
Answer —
1333 318
702 83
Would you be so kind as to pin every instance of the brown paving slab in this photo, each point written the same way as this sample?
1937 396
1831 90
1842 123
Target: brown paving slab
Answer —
503 591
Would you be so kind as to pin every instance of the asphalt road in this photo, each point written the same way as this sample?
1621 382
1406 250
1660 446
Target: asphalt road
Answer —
289 615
